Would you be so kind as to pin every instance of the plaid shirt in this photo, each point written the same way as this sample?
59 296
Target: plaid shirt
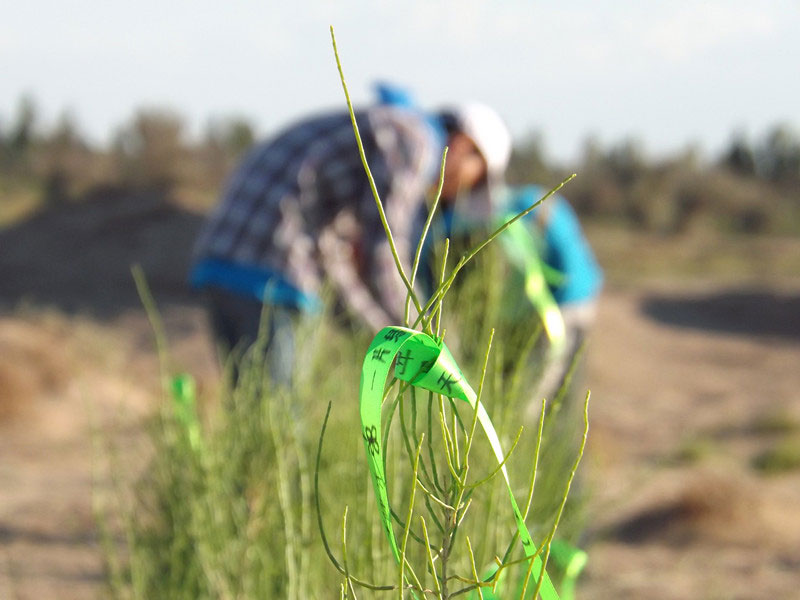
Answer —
300 206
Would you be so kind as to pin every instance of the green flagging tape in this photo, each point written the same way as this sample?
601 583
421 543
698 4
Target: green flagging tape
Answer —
184 394
521 250
428 364
569 561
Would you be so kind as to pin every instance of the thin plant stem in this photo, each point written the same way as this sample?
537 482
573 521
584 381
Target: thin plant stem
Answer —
305 516
464 509
426 227
347 577
407 440
474 424
390 238
438 310
458 427
566 491
523 356
474 569
458 424
567 383
442 289
389 420
500 465
431 457
407 528
535 466
284 499
435 499
153 316
448 440
321 525
437 590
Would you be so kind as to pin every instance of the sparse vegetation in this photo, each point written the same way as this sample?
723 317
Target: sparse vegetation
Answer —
693 449
752 187
781 457
226 510
777 422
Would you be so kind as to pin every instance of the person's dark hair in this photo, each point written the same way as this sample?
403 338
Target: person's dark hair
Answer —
449 121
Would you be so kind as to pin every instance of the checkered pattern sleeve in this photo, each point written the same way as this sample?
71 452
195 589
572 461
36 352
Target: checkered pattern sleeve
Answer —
301 205
355 251
276 201
410 158
400 151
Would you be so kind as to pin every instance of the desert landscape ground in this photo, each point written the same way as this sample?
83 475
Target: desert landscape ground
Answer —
694 418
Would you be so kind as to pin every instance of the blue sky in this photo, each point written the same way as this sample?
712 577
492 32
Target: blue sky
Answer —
668 73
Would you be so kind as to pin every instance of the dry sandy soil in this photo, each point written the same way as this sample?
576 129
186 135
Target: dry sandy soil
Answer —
690 383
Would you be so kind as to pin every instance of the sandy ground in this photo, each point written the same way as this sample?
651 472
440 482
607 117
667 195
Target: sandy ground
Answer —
678 509
689 385
663 527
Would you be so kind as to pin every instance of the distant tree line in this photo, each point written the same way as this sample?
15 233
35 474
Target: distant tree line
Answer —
150 151
752 186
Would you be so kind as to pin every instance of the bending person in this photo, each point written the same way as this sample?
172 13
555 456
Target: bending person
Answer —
299 211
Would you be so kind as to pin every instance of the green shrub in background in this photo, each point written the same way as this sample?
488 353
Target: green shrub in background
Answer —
233 514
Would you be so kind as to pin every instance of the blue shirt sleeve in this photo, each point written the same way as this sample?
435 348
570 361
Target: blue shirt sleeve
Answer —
566 249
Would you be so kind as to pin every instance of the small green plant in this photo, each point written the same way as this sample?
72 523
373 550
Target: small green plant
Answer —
781 457
693 449
776 421
440 459
227 503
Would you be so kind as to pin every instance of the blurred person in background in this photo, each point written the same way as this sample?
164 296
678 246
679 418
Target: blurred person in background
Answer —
298 212
553 269
570 271
552 277
561 260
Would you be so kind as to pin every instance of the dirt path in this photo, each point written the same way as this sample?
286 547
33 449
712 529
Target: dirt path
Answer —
61 380
678 414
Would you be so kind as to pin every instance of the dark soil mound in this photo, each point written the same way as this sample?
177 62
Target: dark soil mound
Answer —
742 311
78 257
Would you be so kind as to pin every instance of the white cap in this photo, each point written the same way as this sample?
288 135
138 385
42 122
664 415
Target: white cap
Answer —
490 134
